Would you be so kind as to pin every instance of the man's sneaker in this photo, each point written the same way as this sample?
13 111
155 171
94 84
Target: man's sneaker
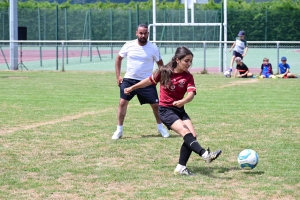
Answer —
212 155
117 135
164 133
184 171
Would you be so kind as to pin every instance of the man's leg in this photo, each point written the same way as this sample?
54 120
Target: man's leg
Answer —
164 133
155 112
122 109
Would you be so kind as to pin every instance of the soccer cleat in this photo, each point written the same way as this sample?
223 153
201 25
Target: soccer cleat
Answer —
164 133
117 135
212 155
184 171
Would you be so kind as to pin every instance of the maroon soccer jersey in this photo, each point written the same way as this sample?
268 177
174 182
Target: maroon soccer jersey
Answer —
180 84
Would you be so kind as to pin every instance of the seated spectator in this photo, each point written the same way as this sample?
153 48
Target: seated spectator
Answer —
285 69
266 69
242 69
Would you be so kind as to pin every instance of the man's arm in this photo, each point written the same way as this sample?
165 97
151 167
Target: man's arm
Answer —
118 63
160 63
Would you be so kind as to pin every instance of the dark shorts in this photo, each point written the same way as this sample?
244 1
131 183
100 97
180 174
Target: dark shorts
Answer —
237 54
169 115
145 95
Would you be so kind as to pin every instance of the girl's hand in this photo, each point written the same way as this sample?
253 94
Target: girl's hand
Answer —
128 90
178 104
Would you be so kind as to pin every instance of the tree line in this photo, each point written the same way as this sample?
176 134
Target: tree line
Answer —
272 21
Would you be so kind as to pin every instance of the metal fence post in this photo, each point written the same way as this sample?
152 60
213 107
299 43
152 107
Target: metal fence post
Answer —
39 29
111 34
204 56
66 34
56 37
62 56
277 43
129 25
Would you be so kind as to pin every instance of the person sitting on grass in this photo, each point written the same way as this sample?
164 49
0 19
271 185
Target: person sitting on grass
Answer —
284 69
242 69
175 81
266 69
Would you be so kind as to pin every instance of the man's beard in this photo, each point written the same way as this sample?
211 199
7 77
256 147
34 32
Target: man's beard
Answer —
142 40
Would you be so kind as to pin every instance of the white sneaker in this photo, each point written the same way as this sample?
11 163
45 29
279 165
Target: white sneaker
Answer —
164 133
184 171
211 156
117 135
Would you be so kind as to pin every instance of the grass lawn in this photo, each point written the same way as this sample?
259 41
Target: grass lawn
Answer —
56 128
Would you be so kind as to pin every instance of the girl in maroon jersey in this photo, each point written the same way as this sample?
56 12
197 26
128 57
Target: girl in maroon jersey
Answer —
175 80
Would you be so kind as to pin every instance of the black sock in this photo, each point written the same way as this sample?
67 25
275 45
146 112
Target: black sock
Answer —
192 143
185 153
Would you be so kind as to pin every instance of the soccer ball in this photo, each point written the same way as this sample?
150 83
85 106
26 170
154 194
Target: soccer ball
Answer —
248 159
227 74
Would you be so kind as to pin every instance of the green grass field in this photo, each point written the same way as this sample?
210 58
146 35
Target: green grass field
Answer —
56 127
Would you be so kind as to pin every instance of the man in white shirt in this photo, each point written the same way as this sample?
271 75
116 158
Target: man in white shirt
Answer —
141 55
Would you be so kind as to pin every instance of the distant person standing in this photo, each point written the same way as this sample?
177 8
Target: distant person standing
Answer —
285 69
141 55
240 48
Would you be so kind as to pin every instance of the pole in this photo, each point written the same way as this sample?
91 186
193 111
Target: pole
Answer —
266 25
90 35
56 37
111 34
277 45
66 35
225 35
39 27
154 19
186 11
192 11
13 34
129 25
62 56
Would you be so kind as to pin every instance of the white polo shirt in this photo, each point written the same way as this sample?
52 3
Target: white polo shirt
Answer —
140 59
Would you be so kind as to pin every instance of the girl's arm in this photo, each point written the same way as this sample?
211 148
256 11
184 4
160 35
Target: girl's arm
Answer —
144 83
188 98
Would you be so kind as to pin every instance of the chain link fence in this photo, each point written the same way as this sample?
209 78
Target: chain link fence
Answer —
100 55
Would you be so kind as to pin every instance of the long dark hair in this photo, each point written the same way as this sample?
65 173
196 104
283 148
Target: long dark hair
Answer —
167 70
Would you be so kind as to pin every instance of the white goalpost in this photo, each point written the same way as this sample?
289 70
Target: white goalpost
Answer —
190 4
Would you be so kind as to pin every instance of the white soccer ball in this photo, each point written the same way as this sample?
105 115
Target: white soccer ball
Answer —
248 159
227 74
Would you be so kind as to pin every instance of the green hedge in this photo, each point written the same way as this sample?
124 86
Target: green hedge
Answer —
271 21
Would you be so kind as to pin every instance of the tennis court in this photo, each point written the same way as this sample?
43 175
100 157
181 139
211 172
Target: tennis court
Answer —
102 57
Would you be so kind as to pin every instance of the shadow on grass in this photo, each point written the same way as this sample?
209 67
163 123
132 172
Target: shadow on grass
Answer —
158 135
212 171
252 172
14 77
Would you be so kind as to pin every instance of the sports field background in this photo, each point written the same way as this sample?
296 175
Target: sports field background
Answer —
101 58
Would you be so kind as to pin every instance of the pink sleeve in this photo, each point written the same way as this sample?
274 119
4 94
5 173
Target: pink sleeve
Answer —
155 78
191 85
